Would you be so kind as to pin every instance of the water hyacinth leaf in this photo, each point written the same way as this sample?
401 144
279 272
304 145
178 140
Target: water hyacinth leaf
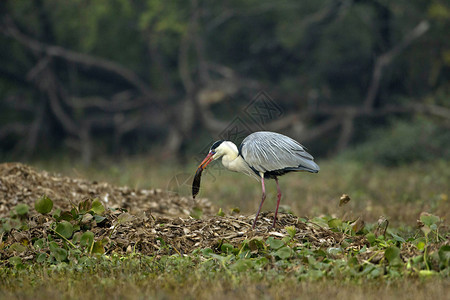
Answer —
76 237
7 226
242 265
283 253
274 243
397 238
40 243
43 205
65 229
97 207
53 246
59 254
207 251
99 219
429 219
226 248
21 209
15 260
392 254
98 248
335 223
41 257
87 239
371 238
17 247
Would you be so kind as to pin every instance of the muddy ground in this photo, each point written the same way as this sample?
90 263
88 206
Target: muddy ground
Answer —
158 222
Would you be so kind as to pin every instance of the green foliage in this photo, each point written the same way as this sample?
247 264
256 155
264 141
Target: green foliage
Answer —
68 236
392 254
197 213
310 52
378 259
220 213
274 244
97 207
43 205
21 209
69 240
87 239
402 143
65 229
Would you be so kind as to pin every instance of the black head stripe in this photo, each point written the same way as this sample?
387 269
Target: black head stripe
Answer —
216 144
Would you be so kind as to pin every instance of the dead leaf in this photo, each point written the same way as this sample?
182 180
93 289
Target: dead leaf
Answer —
344 200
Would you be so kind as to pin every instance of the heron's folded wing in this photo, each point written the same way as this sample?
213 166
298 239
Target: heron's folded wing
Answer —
270 151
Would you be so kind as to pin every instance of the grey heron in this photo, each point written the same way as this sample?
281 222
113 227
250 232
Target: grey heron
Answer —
261 155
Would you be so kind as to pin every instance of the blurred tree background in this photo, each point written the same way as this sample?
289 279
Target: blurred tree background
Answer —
121 77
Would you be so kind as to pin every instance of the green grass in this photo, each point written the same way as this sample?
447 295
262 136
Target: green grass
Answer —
135 277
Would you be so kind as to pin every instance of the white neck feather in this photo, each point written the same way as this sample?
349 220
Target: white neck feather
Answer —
232 160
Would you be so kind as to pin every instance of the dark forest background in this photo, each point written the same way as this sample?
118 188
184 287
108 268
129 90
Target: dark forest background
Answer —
120 77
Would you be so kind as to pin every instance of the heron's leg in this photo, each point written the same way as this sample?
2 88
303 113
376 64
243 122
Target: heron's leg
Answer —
278 202
262 200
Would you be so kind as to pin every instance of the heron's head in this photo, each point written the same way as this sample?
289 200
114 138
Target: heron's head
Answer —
217 150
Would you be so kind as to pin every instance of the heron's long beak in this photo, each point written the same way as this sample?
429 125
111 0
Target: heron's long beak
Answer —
206 161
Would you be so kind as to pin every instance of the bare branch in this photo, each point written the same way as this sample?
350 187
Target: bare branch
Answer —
68 124
76 57
321 129
35 128
13 128
113 105
346 132
386 58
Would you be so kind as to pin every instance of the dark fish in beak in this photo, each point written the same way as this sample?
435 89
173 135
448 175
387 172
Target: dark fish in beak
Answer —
198 174
196 182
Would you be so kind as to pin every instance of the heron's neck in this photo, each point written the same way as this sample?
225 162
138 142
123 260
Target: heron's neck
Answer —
229 159
234 162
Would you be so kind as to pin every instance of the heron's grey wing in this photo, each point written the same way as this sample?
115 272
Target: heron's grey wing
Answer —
269 151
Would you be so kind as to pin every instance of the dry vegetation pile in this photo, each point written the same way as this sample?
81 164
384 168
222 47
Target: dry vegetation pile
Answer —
20 183
149 221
